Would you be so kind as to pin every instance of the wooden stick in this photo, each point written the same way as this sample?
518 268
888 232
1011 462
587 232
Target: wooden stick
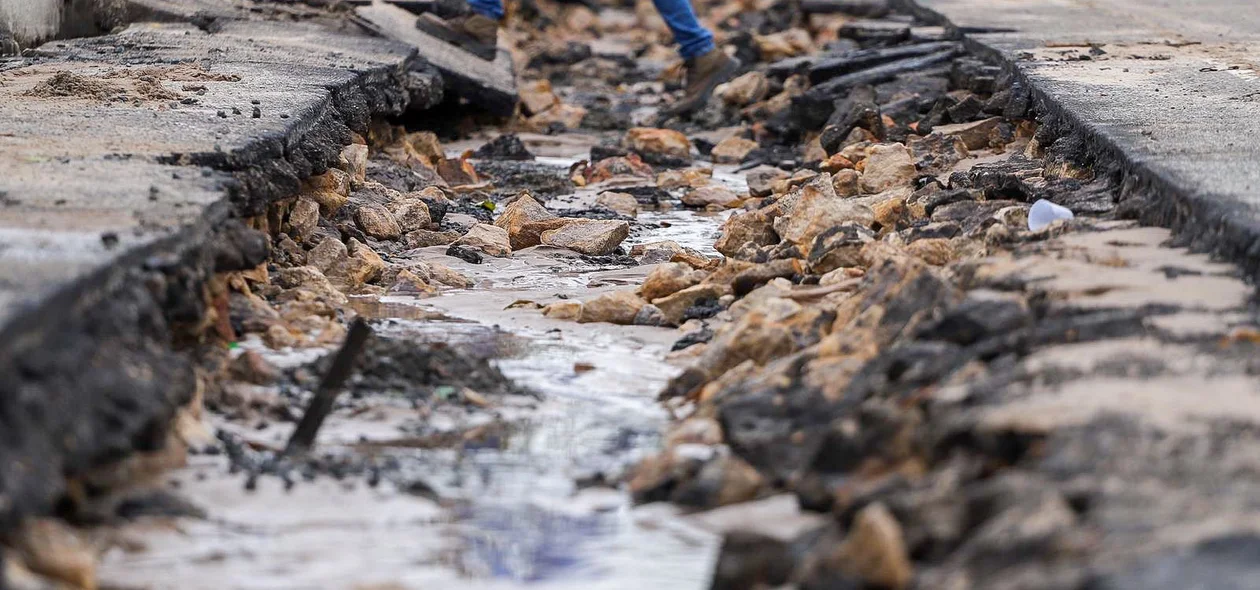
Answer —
322 404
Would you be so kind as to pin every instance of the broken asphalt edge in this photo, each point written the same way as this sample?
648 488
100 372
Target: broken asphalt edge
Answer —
1200 220
99 369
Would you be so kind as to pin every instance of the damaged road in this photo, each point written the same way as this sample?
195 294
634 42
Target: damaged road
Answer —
816 335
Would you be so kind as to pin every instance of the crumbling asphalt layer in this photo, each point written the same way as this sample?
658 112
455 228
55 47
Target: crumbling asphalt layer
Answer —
118 211
1161 92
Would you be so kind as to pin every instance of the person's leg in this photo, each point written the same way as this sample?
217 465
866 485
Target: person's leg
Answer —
692 38
488 8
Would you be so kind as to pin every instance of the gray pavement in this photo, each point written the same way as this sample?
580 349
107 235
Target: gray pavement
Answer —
1168 88
122 158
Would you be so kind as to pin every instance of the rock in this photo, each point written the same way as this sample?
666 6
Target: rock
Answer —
434 272
800 178
742 229
410 283
839 247
674 306
761 180
784 44
468 254
564 310
744 90
524 210
423 238
492 240
504 147
975 135
669 278
665 142
459 171
303 218
732 150
846 183
934 251
631 165
685 178
563 114
694 259
376 221
532 232
426 147
817 209
714 194
749 279
334 180
887 166
54 550
937 153
537 96
252 367
412 215
649 315
656 252
353 161
621 203
329 256
875 550
615 307
835 164
329 202
889 208
312 280
589 236
364 265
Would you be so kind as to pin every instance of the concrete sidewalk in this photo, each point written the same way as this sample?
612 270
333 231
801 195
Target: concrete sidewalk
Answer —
1167 89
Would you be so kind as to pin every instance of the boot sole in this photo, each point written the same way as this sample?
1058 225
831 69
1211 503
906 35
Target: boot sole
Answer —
440 29
723 75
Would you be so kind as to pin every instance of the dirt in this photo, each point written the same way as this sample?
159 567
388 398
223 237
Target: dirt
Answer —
67 84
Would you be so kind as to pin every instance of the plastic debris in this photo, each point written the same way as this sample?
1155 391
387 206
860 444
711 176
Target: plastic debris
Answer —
1043 213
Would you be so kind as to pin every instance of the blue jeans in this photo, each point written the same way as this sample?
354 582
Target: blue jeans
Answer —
693 39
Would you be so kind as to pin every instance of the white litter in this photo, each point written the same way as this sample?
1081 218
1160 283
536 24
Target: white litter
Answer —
1044 213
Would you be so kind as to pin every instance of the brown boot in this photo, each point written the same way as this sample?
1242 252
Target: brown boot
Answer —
704 73
477 34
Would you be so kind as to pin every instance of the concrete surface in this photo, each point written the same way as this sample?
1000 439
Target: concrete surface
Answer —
115 211
1167 88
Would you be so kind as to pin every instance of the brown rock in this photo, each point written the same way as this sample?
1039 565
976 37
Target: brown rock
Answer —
669 278
607 168
411 283
685 178
458 172
934 251
329 255
353 161
588 236
531 233
675 305
566 115
741 229
524 210
800 178
423 238
621 203
312 280
426 146
536 96
364 265
761 180
665 142
656 252
789 43
436 272
816 208
714 194
744 90
376 221
334 180
975 135
616 307
54 550
835 164
303 218
846 183
887 166
732 150
875 550
411 215
694 259
564 310
490 239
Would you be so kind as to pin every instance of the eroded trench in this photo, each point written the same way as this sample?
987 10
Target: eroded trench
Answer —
819 345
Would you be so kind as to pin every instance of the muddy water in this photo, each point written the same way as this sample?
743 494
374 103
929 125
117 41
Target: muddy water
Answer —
521 508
